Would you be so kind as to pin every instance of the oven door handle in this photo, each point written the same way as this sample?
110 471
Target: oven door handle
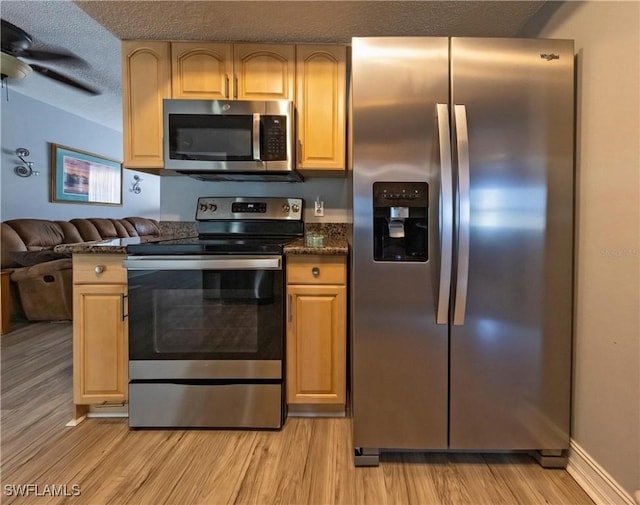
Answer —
203 263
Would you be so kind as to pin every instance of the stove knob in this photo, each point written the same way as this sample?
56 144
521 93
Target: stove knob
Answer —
285 208
203 207
295 208
213 207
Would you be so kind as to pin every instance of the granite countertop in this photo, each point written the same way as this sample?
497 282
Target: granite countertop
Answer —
109 246
334 241
330 246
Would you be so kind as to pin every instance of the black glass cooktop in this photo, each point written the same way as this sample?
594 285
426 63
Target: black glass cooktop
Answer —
253 245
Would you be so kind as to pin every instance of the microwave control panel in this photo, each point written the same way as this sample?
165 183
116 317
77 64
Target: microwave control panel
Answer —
273 137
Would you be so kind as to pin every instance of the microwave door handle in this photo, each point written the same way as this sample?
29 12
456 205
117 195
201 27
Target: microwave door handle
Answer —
256 137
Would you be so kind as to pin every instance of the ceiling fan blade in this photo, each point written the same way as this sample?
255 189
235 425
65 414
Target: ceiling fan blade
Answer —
47 72
14 38
37 54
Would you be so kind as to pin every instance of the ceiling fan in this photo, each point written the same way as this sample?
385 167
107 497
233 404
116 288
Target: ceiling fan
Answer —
16 44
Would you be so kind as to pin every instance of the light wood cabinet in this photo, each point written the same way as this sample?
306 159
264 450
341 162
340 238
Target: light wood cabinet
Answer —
264 71
146 81
321 79
232 71
313 76
316 333
201 70
100 348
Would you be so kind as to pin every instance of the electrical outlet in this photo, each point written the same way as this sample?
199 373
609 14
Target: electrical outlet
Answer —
319 208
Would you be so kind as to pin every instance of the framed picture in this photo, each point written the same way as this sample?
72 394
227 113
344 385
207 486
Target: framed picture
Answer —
81 177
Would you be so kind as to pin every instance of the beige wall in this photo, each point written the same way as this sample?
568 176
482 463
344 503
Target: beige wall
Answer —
606 403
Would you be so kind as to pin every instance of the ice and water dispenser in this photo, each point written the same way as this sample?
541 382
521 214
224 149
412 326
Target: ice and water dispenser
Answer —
400 218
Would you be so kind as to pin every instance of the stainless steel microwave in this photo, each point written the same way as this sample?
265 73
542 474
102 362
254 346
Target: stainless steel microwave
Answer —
230 139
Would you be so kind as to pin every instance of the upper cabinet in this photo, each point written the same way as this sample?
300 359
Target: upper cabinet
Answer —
264 71
146 81
201 70
232 71
314 77
320 101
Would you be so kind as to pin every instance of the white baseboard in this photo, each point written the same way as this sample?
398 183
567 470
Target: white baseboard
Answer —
595 480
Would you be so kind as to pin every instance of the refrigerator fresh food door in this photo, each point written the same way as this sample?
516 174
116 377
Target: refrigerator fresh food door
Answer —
511 333
399 353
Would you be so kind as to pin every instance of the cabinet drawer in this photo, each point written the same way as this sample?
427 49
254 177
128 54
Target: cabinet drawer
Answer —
306 269
99 269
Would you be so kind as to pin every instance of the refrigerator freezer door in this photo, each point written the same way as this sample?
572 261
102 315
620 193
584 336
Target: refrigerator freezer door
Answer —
399 353
511 360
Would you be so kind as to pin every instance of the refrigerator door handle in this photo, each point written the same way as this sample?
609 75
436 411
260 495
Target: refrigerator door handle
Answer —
446 213
464 215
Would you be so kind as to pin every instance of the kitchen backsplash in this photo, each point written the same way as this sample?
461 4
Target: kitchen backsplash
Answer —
179 229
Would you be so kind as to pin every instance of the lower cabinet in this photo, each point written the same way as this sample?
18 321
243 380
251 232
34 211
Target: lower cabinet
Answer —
316 334
99 329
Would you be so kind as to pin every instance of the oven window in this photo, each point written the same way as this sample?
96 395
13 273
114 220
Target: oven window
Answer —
206 314
213 325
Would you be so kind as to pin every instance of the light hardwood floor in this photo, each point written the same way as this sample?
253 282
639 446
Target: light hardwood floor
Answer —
308 462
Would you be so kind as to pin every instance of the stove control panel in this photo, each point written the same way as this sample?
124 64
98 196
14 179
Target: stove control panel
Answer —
212 208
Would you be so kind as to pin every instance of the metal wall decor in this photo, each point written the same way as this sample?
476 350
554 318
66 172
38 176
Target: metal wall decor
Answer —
26 169
135 185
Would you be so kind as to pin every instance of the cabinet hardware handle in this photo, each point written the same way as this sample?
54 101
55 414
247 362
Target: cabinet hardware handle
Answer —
226 85
123 316
315 271
99 269
235 85
290 309
299 153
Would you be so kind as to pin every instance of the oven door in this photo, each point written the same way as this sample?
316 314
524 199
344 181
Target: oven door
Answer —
205 317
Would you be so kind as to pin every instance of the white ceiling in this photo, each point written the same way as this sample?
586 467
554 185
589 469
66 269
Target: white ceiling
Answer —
93 29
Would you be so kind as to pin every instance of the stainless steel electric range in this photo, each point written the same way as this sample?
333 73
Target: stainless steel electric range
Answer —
206 318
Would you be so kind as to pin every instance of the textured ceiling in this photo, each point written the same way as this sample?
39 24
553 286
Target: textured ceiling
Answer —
92 30
307 21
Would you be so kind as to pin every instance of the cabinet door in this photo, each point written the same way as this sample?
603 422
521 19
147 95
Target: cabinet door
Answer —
100 351
321 105
264 71
146 81
200 70
316 344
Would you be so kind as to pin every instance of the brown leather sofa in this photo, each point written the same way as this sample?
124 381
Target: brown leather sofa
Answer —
41 278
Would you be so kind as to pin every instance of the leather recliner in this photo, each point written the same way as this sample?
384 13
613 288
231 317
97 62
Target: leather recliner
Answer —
41 278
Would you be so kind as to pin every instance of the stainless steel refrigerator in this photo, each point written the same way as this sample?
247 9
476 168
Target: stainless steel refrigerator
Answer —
462 252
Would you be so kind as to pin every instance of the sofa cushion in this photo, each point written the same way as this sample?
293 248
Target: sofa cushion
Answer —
120 228
37 234
30 258
87 230
105 227
131 230
144 226
71 234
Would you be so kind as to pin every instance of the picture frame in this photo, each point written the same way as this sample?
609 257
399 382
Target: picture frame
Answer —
83 177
